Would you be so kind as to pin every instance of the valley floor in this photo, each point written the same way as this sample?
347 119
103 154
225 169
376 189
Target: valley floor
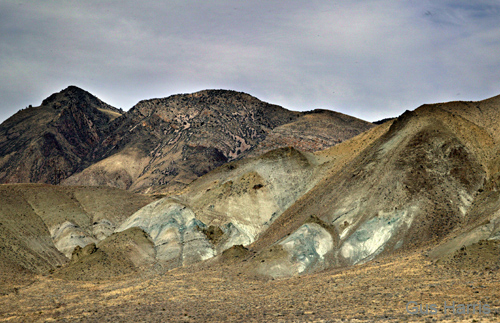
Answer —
376 291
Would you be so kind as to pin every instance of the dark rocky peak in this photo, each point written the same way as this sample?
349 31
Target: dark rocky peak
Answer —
220 105
62 132
75 97
382 121
70 94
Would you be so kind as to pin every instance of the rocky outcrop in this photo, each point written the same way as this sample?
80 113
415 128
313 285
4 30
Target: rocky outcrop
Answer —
127 252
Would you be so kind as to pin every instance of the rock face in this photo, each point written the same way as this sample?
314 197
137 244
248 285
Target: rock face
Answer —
48 143
121 253
301 252
176 233
177 139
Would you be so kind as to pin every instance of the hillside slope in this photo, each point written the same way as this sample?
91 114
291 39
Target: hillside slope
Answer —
424 179
314 131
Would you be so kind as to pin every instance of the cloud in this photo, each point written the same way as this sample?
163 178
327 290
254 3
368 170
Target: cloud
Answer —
371 59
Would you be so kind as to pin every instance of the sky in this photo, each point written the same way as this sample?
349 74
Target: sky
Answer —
371 59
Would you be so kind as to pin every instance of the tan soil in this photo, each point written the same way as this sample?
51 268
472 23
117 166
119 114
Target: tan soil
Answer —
376 291
481 256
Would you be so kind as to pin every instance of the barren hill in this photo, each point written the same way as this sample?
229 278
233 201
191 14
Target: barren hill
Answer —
428 177
41 223
408 210
48 143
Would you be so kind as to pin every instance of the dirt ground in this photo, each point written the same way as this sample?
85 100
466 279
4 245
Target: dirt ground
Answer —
376 291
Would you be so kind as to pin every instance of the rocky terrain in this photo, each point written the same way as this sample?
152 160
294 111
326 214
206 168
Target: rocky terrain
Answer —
314 131
161 145
428 177
408 210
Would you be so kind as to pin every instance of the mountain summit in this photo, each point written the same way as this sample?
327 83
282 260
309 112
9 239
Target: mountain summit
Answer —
52 141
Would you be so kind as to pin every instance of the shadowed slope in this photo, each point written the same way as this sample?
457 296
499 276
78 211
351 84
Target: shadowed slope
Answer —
25 242
48 143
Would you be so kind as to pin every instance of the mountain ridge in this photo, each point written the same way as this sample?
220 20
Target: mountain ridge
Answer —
159 145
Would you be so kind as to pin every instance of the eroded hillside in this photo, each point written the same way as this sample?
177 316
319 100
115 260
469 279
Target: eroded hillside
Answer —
427 178
42 224
408 210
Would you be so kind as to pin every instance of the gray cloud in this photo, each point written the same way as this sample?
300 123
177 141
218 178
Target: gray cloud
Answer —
371 59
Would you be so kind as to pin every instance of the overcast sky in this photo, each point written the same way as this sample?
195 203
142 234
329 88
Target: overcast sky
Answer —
370 59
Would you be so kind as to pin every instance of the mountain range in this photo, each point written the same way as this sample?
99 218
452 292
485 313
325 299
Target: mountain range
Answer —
160 145
218 181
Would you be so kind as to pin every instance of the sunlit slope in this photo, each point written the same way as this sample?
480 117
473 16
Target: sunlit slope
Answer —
416 184
231 205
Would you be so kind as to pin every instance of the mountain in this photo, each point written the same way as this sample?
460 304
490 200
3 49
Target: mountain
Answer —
162 145
427 178
159 145
48 143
